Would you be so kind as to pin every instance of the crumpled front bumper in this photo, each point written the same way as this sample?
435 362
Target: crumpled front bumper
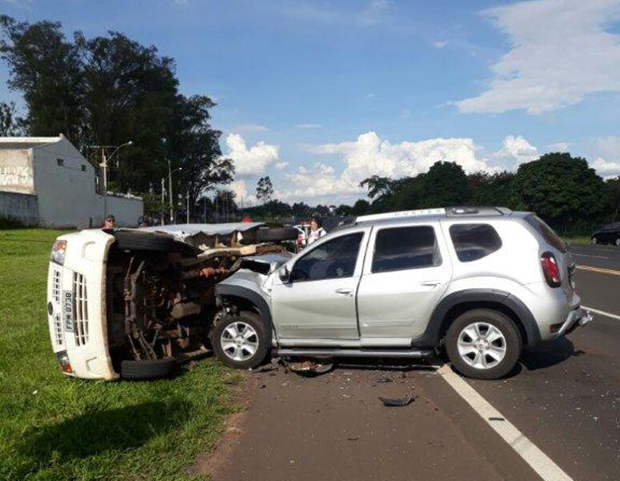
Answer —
577 317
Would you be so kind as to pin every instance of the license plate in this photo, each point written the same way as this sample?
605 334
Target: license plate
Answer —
67 310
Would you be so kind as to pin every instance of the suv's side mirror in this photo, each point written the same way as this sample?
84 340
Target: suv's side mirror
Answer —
284 274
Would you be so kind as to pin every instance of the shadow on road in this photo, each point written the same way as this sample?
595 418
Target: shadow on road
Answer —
549 354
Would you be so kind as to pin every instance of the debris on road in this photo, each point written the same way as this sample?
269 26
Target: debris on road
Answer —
397 402
310 367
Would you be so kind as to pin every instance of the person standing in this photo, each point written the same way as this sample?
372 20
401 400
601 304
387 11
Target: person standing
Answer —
316 229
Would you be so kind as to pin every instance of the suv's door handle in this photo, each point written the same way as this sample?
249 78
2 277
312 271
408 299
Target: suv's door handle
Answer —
343 291
430 283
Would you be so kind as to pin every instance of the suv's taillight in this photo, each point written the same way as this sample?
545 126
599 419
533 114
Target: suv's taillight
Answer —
550 269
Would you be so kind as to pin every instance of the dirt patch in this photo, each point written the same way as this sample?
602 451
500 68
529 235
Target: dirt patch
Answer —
212 462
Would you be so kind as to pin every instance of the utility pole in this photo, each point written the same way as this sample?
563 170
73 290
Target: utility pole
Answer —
187 195
172 220
163 200
104 166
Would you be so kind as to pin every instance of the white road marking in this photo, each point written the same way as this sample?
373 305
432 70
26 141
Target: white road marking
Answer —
529 452
602 313
586 255
600 270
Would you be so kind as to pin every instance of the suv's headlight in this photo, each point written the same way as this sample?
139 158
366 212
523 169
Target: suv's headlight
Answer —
58 252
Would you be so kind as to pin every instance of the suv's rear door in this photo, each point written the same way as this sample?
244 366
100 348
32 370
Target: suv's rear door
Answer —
405 275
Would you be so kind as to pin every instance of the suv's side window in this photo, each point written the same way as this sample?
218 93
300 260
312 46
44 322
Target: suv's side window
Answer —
402 248
332 259
474 241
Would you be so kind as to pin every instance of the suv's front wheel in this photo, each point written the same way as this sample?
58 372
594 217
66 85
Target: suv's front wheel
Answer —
241 340
483 344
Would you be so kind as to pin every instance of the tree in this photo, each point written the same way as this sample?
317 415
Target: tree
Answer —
264 189
378 187
47 69
108 90
491 189
300 209
445 184
361 207
10 124
563 190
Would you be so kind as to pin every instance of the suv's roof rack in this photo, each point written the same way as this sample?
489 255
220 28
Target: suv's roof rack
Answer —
400 214
476 210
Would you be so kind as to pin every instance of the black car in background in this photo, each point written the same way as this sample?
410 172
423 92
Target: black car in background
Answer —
608 234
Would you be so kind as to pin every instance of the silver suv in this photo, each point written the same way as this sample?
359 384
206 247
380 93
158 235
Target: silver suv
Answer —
477 283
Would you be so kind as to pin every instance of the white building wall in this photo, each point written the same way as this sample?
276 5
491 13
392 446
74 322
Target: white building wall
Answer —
63 181
65 186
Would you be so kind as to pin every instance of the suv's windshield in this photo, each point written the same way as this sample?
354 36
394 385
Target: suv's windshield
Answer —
547 232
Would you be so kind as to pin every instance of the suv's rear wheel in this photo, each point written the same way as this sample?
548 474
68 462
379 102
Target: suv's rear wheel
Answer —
483 344
594 240
241 340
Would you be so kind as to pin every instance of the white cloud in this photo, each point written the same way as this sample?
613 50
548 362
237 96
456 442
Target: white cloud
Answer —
254 160
558 147
308 126
370 155
516 150
250 128
608 147
607 162
440 44
374 13
560 53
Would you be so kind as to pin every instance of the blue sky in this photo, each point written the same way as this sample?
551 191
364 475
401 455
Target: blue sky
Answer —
320 94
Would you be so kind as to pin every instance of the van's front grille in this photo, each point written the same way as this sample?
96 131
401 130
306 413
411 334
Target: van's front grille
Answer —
59 337
56 285
80 309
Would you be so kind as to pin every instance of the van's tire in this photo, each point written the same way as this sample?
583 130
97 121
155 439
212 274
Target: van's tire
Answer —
617 242
149 369
144 241
594 241
242 340
276 234
483 344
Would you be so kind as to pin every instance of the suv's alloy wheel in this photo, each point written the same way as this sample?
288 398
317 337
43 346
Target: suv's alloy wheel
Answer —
483 344
594 240
617 242
241 340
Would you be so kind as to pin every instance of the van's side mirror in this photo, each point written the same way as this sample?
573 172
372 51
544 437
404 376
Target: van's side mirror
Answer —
284 274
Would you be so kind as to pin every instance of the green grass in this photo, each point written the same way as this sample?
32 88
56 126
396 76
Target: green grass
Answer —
58 428
578 241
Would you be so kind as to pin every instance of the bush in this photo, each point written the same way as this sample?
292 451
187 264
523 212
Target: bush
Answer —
11 223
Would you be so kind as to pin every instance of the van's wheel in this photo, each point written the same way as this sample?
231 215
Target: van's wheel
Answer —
241 340
594 240
483 344
149 369
617 242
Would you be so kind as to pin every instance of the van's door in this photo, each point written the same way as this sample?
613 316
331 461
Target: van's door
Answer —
404 277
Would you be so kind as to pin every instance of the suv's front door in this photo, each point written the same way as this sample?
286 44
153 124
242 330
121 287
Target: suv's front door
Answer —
404 277
318 300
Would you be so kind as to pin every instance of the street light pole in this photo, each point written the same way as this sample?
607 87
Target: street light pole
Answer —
187 195
163 200
172 219
104 166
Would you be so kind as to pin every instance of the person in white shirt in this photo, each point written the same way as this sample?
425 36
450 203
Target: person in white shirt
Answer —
316 229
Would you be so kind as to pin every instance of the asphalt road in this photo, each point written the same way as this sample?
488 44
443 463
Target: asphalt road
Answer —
564 399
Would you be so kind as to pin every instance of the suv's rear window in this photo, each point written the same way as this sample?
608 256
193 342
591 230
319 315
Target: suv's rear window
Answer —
474 241
405 248
547 232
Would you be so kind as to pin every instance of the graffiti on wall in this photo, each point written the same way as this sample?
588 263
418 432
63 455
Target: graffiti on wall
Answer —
17 176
